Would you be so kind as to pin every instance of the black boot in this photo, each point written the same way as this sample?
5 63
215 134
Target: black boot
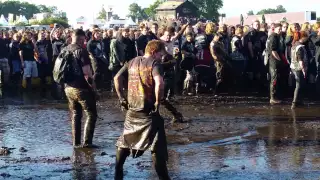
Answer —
89 130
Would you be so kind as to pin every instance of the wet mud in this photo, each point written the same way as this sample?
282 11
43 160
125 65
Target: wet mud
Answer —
221 138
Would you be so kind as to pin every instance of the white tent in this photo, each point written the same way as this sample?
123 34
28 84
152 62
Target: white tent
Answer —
23 19
130 23
3 21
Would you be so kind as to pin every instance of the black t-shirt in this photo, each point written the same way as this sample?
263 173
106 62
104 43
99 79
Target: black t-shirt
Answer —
56 46
255 37
142 42
14 51
3 49
81 59
49 49
189 47
95 48
27 49
274 45
106 46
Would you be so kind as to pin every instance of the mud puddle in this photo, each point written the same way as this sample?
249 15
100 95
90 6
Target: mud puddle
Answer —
219 140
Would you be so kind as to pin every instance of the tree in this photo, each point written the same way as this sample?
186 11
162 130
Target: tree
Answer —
115 16
102 14
278 9
18 8
318 19
151 10
250 13
135 11
209 8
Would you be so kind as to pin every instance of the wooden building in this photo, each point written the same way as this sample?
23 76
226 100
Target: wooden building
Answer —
173 9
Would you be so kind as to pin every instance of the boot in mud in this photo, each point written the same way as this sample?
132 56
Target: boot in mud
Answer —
89 130
178 118
121 157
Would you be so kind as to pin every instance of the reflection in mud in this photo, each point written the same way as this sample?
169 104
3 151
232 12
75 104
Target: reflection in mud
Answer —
234 138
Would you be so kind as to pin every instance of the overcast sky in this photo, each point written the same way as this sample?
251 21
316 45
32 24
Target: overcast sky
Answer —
90 8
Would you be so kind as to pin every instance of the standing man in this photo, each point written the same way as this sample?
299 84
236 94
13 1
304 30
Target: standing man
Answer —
255 47
275 62
4 64
80 91
143 127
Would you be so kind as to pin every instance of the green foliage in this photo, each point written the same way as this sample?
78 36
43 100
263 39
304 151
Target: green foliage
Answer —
278 9
22 24
115 16
102 14
136 12
209 9
18 8
52 20
318 19
151 10
250 13
27 9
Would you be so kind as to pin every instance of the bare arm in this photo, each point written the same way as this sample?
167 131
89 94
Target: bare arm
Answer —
118 82
276 55
159 88
21 56
52 32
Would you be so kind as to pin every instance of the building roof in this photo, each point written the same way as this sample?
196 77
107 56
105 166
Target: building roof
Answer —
169 5
291 17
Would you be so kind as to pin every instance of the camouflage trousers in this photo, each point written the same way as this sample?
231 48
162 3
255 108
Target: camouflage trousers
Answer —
4 71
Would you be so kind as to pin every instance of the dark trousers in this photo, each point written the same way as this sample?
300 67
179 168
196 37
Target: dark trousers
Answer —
82 100
274 75
159 163
169 87
300 83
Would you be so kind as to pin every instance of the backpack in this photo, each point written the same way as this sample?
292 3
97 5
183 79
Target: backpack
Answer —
66 68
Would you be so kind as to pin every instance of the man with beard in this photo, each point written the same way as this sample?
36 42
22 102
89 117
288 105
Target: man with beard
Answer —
144 126
255 46
275 63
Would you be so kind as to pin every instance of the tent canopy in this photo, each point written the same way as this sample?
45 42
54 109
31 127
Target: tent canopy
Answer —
3 21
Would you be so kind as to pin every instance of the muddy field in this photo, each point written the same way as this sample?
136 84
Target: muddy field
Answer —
221 138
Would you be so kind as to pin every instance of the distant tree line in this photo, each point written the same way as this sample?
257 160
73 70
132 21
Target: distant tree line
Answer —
28 10
278 9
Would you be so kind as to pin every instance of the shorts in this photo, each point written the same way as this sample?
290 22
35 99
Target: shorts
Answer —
30 69
16 66
4 71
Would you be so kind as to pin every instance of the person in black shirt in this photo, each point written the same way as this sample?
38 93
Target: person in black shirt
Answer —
4 65
57 42
28 62
98 61
15 59
144 38
255 63
129 45
80 92
275 61
42 55
189 52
